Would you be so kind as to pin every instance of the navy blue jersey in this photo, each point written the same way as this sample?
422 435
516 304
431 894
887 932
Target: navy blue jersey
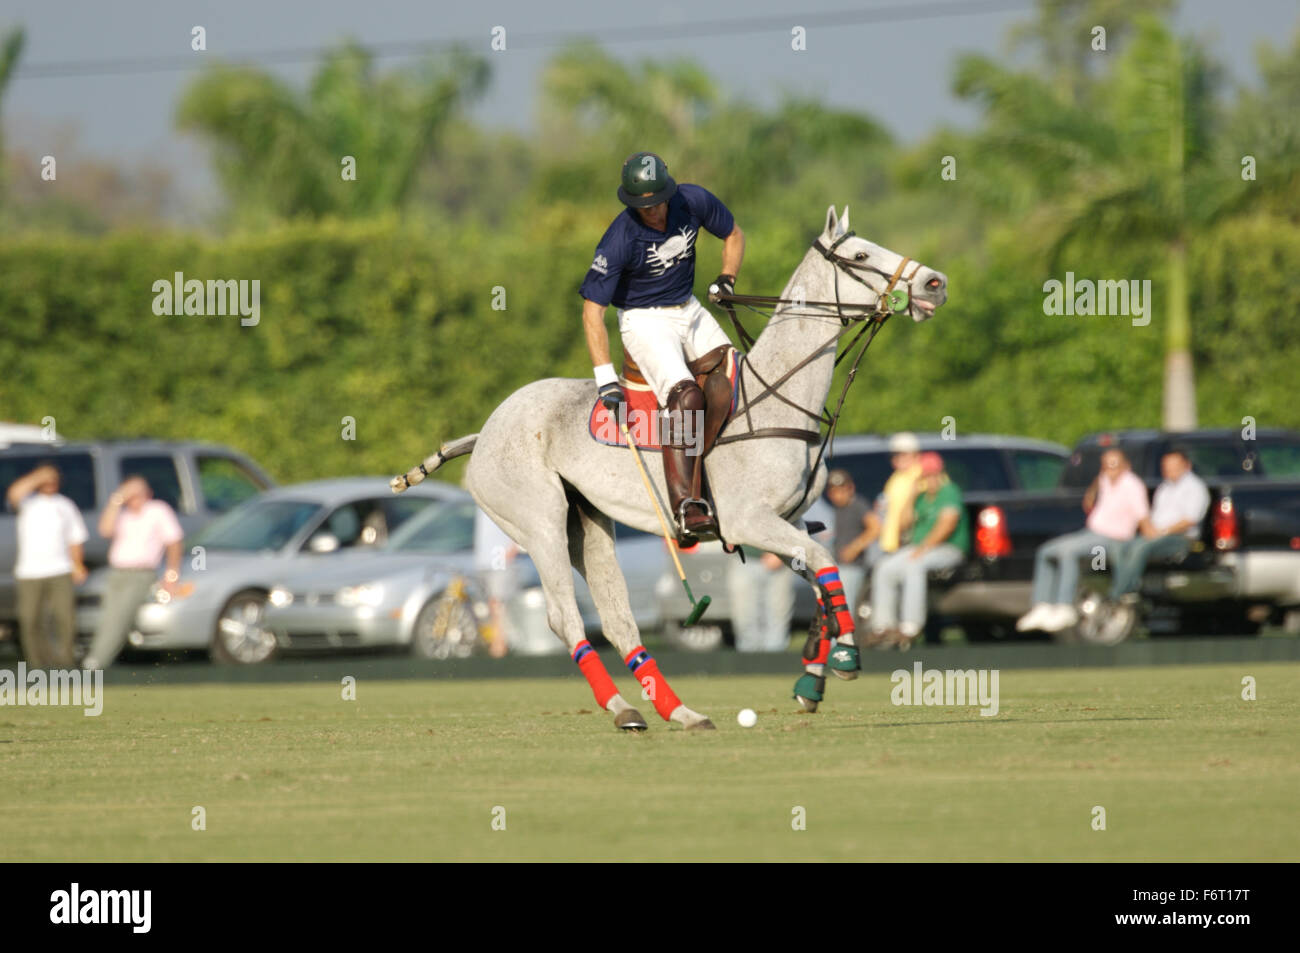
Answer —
638 267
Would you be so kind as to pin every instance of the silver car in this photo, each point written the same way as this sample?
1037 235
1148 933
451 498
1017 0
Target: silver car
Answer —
422 591
231 564
418 591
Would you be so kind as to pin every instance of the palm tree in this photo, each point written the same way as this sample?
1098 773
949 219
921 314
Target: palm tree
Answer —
281 151
1130 161
1266 124
596 111
1062 35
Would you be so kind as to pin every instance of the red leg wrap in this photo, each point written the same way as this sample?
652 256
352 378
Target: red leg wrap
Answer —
829 580
602 686
646 671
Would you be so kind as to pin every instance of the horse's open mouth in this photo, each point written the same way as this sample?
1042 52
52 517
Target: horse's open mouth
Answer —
926 306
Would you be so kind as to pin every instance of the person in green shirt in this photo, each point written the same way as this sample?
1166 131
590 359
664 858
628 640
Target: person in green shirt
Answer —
940 540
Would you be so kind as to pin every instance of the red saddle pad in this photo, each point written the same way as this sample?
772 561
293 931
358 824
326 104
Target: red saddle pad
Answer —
643 413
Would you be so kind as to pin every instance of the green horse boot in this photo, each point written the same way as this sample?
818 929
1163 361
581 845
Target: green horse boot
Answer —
808 690
844 662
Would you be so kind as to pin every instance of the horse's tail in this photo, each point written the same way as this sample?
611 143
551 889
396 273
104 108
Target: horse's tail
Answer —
456 448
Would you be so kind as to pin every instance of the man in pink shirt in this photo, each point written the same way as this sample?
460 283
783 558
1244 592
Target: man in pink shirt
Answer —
141 529
1115 503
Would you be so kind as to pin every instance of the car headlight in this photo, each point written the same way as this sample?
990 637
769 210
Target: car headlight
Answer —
368 594
280 597
183 591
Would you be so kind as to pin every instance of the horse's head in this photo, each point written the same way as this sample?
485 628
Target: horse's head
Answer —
862 271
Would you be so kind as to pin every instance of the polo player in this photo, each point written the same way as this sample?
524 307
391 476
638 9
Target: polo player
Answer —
645 267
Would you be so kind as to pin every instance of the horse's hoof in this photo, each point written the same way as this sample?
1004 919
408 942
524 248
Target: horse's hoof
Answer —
809 691
629 719
703 724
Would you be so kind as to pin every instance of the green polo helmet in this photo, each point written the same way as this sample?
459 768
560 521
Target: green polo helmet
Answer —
645 172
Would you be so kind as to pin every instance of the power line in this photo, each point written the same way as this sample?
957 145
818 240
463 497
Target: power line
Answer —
546 39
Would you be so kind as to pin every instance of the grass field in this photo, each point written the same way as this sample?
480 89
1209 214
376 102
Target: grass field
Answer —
412 770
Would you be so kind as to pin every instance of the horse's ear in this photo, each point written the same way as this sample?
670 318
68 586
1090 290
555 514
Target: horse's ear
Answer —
844 220
832 223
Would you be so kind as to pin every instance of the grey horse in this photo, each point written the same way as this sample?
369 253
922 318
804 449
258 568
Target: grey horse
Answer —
536 470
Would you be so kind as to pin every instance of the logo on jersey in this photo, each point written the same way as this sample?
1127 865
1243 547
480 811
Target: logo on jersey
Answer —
680 247
601 264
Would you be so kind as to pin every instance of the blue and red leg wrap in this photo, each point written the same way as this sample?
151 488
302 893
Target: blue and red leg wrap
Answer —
602 686
646 671
834 603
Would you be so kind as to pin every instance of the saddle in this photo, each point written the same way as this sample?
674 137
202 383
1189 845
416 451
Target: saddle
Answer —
717 373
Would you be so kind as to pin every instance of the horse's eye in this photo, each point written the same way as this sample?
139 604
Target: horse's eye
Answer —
860 256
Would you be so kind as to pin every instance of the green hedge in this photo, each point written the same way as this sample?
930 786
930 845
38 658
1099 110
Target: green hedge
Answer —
393 325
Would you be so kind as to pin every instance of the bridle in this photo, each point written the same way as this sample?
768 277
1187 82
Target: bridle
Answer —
871 317
897 297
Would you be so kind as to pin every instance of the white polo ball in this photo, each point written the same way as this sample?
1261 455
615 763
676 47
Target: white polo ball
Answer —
747 718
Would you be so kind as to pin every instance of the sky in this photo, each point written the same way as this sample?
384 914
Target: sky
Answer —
897 69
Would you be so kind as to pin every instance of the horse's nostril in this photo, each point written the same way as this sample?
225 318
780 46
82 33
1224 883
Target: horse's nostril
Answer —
933 283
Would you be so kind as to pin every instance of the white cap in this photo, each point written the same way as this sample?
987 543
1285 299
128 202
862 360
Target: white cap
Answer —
904 443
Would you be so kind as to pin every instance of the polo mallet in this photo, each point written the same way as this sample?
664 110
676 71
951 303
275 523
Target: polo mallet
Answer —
697 608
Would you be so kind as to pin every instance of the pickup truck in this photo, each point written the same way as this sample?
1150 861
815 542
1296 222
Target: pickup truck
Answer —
990 468
1243 572
200 481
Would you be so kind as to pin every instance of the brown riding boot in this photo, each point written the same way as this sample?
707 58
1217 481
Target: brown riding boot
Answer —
685 416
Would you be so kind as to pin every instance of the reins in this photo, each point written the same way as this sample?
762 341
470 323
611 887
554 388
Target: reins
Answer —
872 318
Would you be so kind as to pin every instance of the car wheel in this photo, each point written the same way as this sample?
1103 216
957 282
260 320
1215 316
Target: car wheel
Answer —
446 627
240 638
1103 622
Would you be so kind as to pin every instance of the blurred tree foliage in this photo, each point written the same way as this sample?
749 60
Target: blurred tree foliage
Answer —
377 295
1132 160
279 153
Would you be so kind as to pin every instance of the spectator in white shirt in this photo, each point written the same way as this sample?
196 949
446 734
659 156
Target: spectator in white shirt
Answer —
51 534
1177 510
141 529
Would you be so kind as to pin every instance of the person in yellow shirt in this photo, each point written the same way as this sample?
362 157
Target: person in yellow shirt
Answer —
900 489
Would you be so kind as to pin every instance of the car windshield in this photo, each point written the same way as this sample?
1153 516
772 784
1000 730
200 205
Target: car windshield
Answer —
442 528
258 525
